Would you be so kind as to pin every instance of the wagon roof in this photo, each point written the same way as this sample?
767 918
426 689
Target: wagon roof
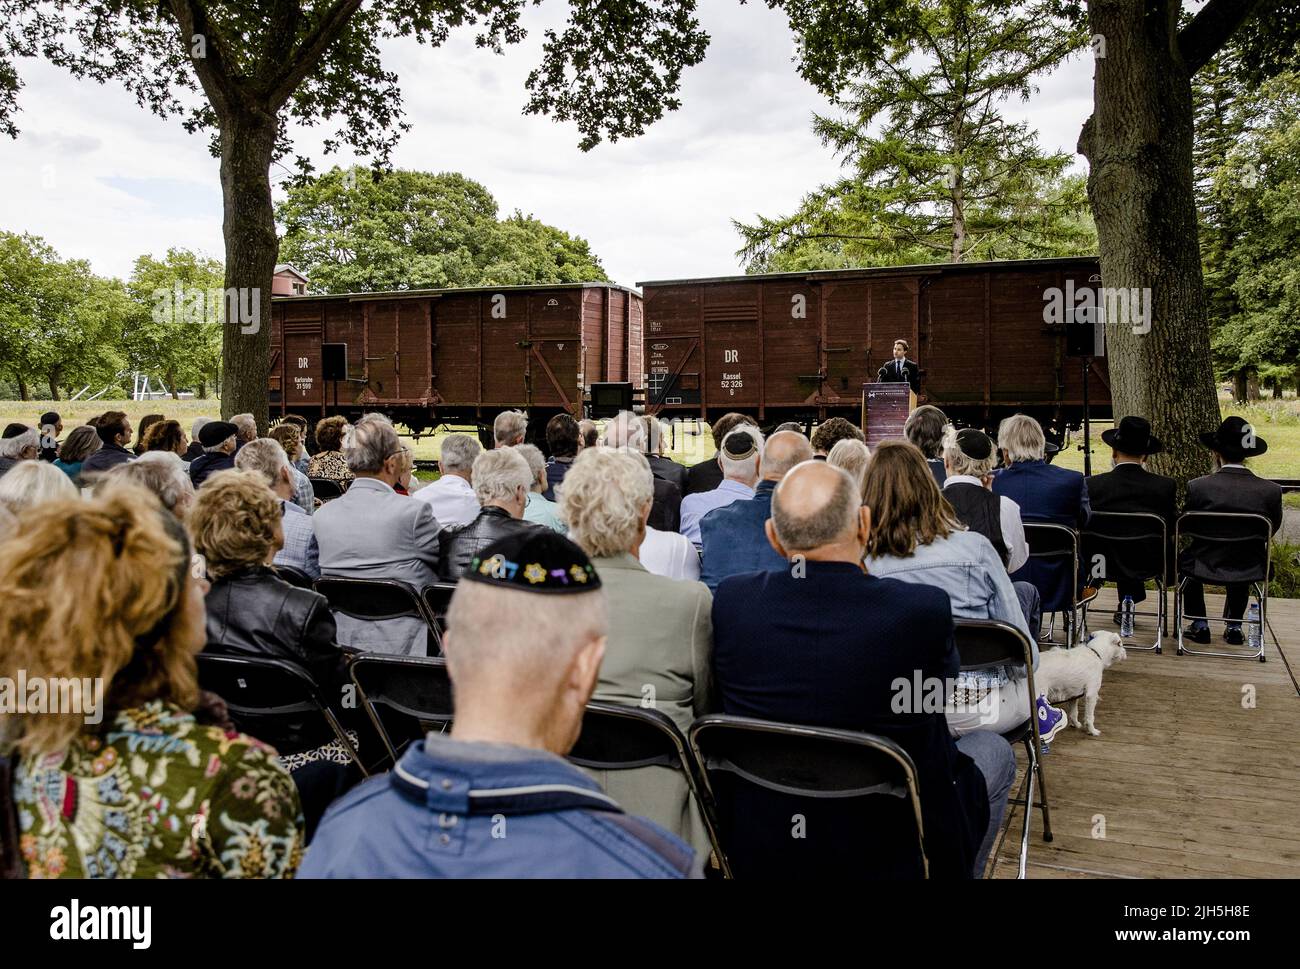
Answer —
450 291
928 268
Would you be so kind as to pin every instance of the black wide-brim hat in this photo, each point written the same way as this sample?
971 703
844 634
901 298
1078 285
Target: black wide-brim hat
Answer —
1133 436
1235 438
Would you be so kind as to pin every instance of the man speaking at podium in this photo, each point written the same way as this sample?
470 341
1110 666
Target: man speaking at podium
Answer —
901 370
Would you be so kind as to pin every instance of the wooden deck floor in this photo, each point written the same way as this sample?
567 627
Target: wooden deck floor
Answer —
1188 781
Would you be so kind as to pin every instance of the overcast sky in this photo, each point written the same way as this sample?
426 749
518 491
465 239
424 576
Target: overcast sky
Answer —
101 179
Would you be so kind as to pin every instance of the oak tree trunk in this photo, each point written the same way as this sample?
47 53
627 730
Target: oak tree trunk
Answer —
1239 387
247 144
1138 143
22 389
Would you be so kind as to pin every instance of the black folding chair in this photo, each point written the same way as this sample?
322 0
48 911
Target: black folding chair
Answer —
437 600
796 801
1238 530
326 489
405 697
616 737
375 600
985 644
1050 542
273 699
295 577
1130 537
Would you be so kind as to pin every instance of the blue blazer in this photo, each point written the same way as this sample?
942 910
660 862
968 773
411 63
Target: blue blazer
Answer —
1045 493
824 649
733 539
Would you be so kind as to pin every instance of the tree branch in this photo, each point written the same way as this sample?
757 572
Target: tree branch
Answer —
1210 29
311 50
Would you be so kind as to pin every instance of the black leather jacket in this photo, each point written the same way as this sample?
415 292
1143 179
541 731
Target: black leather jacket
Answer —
458 545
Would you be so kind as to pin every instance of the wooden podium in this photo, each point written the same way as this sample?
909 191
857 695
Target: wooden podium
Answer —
885 408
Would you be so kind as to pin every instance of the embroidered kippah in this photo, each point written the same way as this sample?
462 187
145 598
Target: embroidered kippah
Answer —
536 560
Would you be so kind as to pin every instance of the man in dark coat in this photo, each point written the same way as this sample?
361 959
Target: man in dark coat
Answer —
114 429
1231 488
219 440
901 370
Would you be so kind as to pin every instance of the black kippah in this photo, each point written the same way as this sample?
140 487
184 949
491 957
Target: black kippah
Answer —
13 430
535 560
974 443
739 445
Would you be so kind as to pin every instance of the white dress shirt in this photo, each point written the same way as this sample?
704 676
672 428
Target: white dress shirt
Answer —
452 500
1013 528
669 554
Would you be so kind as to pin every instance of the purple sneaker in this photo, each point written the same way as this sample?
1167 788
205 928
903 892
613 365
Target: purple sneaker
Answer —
1051 721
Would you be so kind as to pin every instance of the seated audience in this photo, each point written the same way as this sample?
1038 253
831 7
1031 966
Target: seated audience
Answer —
298 547
328 461
220 439
925 428
589 432
670 554
33 483
372 532
626 430
660 637
510 428
289 437
917 538
1130 487
1232 487
660 466
146 424
968 458
539 511
564 441
246 433
501 483
50 427
824 647
790 426
162 476
854 457
831 432
195 450
300 458
81 442
114 429
451 497
735 537
738 455
707 475
19 443
524 643
405 471
105 588
166 436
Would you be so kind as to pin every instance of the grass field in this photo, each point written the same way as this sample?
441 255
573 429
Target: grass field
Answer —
1278 422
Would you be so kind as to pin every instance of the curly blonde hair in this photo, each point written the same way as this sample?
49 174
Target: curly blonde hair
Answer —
603 497
234 521
98 589
289 437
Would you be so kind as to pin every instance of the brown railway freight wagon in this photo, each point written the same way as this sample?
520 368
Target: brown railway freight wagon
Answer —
988 337
458 356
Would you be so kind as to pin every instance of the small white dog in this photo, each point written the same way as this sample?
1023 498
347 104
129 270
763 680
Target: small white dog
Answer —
1068 674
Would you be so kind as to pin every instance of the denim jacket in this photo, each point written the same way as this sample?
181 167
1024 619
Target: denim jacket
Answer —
453 809
967 567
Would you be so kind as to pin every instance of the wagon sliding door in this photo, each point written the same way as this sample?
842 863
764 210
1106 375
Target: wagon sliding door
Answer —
301 359
398 348
556 353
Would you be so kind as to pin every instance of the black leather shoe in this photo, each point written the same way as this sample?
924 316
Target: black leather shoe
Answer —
1233 637
1117 619
1201 636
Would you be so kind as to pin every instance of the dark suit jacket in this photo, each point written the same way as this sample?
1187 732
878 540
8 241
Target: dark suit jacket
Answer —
666 512
704 476
1230 489
824 650
1130 488
669 470
1045 494
733 538
208 465
937 469
888 374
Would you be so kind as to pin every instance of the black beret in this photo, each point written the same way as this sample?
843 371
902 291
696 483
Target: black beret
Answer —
534 560
13 430
974 443
214 432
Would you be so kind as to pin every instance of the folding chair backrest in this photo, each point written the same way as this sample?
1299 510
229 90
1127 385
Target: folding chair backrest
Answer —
406 697
987 643
372 599
1229 529
802 801
1050 540
271 699
1129 536
437 600
295 577
325 488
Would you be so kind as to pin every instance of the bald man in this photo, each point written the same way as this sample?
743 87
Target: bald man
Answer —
823 643
732 538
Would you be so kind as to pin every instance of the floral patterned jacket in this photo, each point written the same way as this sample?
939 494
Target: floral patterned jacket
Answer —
156 794
329 464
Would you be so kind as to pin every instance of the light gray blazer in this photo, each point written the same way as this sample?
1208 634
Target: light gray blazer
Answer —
372 532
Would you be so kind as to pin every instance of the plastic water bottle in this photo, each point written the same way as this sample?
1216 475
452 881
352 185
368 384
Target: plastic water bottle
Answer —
1254 634
1126 618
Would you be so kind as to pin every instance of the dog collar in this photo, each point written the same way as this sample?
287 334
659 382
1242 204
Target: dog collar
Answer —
1093 651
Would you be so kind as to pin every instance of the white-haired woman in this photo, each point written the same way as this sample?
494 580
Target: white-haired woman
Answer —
854 457
660 643
501 482
32 483
540 510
